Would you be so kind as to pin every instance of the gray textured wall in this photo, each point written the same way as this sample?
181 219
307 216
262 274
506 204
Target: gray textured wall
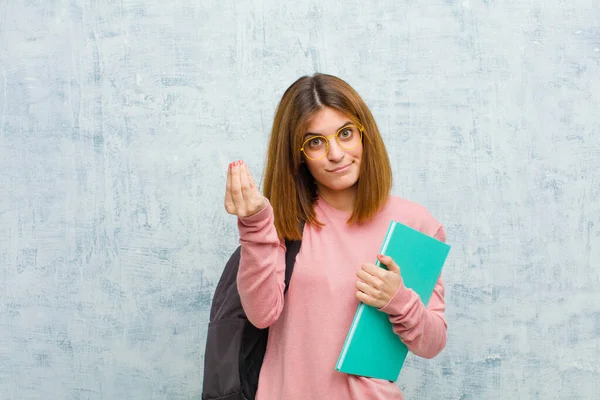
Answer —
117 121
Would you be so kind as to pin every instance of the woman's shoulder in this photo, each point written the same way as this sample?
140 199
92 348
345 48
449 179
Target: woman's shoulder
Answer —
411 213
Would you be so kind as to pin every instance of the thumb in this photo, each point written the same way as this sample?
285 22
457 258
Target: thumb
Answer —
389 263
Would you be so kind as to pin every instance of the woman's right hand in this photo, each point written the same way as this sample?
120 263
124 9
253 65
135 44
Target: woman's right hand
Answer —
242 197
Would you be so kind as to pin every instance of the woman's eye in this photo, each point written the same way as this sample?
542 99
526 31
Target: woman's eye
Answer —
346 133
315 142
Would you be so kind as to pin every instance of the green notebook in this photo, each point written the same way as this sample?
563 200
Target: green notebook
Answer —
372 349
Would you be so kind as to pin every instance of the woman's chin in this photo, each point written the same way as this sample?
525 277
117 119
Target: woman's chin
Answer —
339 187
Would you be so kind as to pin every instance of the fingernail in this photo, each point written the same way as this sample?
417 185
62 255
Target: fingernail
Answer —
380 255
230 165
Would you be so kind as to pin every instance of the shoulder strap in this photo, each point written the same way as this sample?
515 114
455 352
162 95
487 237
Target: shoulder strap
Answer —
292 249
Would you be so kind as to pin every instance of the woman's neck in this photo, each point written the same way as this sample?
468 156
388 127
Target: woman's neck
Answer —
343 200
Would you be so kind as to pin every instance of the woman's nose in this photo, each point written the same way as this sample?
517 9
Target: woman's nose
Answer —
336 152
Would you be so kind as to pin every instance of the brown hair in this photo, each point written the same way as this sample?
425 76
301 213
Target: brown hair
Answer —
288 184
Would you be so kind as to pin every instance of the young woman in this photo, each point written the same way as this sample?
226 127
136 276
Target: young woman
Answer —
326 167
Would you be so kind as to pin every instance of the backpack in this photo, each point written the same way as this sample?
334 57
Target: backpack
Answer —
235 348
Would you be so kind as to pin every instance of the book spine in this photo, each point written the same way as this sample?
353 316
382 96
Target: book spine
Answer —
362 306
388 237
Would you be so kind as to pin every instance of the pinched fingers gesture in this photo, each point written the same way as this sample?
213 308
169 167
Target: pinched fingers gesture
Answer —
242 197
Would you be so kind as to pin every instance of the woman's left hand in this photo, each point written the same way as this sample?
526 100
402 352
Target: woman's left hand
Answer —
376 286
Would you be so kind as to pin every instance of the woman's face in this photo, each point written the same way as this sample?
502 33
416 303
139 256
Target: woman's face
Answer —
339 169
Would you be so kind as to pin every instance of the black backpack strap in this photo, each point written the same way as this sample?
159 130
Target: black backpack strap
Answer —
292 249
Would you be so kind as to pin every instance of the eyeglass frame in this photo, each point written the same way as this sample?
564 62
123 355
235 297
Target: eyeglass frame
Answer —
361 130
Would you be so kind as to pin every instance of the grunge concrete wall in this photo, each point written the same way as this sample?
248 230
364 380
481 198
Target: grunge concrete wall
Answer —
117 122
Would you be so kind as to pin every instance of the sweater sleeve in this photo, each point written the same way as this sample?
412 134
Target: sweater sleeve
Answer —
422 329
261 274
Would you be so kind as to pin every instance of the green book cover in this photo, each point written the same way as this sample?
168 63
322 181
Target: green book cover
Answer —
372 349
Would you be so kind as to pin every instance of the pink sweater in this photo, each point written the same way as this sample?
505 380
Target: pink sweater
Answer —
309 325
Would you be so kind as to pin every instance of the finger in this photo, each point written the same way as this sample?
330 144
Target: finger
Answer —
374 270
255 193
370 279
236 189
245 182
389 263
366 288
229 205
365 298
